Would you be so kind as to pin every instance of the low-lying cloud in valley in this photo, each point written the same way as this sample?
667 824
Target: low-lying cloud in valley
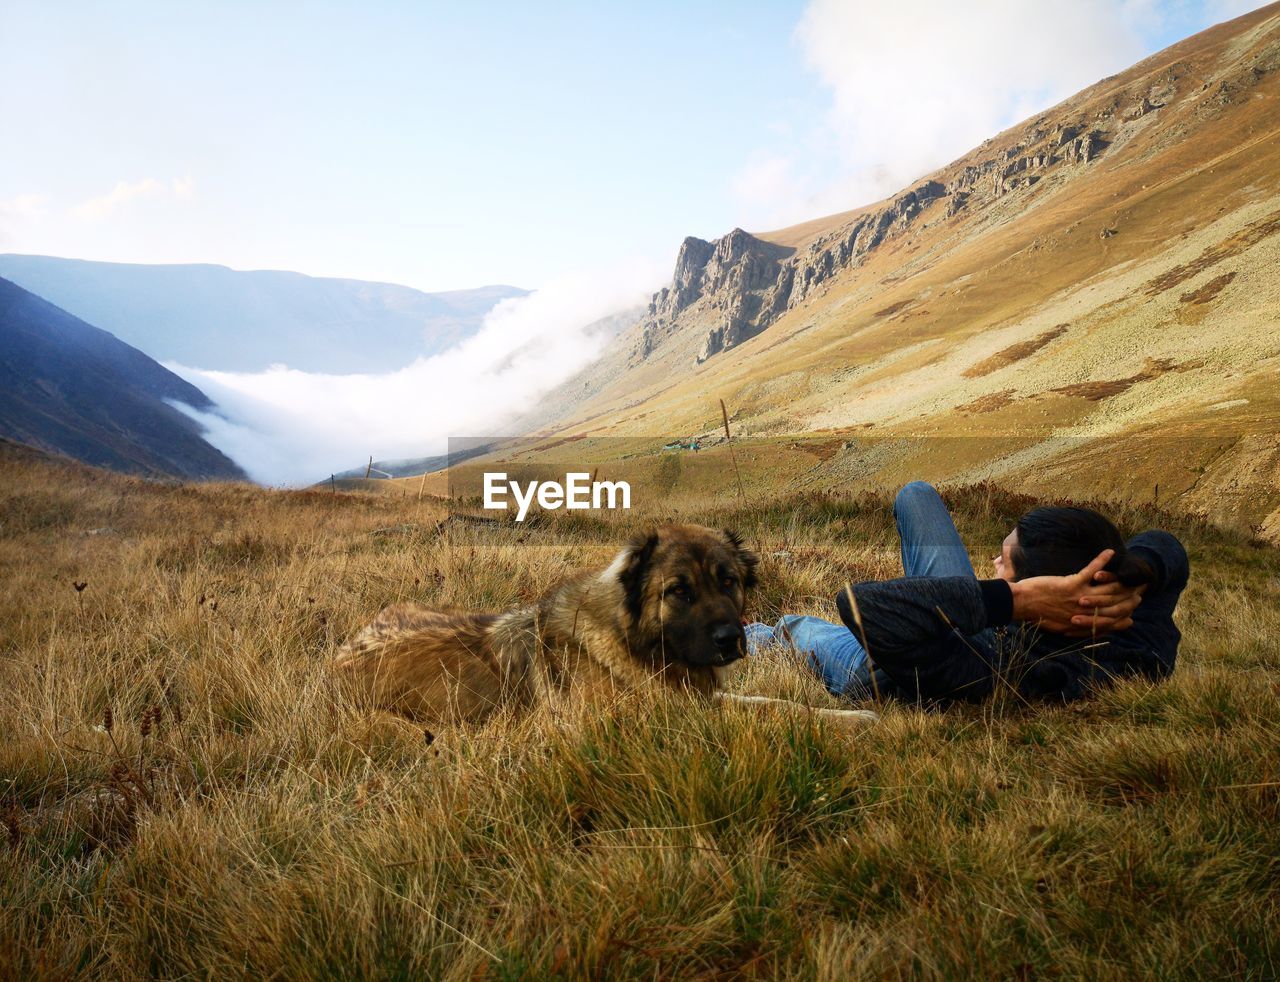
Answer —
290 427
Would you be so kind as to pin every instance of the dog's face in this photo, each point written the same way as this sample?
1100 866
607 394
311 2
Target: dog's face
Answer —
685 588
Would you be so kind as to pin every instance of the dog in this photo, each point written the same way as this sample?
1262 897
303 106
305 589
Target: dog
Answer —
668 609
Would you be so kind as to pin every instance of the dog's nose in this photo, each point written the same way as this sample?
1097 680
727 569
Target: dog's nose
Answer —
727 637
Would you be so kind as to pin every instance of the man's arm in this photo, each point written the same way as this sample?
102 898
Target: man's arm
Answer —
1149 646
919 630
905 613
1083 604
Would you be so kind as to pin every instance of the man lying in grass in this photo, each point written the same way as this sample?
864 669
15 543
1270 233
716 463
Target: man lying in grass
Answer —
1072 606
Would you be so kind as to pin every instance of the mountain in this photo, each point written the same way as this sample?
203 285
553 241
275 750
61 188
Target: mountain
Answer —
213 317
71 388
1089 300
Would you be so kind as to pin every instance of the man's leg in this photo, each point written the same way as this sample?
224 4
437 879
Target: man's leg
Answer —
758 636
829 649
931 545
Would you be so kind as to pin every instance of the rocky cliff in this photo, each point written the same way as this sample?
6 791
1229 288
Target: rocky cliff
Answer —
741 284
735 287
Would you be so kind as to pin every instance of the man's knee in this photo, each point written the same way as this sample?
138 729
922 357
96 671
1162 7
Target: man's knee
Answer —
914 495
1173 554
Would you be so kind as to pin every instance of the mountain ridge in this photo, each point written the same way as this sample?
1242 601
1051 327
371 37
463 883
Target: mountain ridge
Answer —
210 316
840 241
1109 262
73 389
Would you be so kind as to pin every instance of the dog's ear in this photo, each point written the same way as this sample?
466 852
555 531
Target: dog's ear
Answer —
633 570
745 556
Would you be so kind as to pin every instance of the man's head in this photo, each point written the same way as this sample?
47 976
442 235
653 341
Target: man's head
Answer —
1062 541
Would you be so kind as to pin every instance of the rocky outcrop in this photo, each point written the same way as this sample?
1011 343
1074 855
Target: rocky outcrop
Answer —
1083 148
738 285
729 290
1144 106
731 277
690 266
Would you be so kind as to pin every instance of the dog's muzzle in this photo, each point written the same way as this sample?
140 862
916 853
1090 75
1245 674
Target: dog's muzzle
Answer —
718 660
730 644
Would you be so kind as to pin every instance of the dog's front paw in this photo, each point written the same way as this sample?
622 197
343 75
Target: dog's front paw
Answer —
850 717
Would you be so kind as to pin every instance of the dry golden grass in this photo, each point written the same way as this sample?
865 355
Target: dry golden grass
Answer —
1015 353
240 816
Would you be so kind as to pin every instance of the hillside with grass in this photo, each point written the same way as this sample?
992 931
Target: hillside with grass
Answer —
186 791
1086 303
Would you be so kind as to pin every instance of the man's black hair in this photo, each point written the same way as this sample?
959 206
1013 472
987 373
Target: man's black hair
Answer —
1062 541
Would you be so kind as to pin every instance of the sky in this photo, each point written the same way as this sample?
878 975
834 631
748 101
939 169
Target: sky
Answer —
563 147
448 145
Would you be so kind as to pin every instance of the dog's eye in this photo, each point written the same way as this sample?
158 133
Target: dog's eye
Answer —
729 582
680 592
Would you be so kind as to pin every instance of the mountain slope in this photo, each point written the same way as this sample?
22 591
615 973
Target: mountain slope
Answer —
218 318
77 390
1089 299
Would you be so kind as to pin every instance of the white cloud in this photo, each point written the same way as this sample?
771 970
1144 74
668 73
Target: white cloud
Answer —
767 177
916 83
103 206
23 207
18 213
96 209
285 426
114 225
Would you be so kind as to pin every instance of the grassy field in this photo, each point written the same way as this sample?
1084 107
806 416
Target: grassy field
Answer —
186 793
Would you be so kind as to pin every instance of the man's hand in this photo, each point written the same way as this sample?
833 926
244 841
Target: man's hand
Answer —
1083 604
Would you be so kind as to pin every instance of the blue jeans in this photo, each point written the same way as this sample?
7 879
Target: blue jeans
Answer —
930 546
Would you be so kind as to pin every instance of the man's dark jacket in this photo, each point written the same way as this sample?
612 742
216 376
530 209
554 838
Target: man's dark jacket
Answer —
951 637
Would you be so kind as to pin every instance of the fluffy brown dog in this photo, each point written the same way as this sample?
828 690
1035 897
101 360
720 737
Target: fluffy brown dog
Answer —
668 607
